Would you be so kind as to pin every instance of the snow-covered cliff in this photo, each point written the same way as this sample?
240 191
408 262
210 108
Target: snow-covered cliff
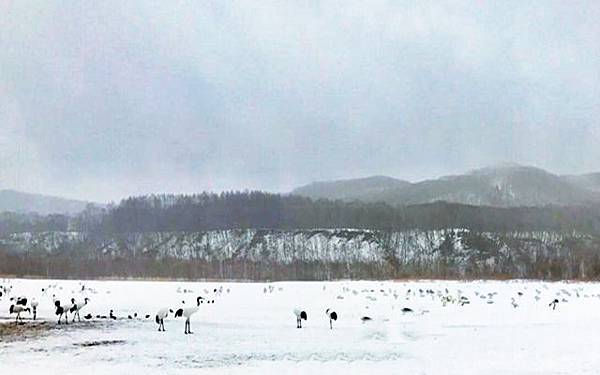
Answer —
436 251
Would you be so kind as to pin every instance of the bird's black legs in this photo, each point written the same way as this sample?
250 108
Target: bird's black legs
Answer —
298 323
188 329
161 326
330 324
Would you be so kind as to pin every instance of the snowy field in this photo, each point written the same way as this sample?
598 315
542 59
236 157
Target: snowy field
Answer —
506 328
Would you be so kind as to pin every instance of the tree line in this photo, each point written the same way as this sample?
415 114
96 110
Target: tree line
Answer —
255 209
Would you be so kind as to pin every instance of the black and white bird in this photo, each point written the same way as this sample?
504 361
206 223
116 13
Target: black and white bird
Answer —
22 301
332 315
187 312
34 306
160 318
300 316
553 304
62 310
18 309
77 306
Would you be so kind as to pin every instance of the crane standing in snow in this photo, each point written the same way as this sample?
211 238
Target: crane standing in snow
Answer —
160 318
62 310
300 315
18 309
332 315
34 305
188 312
77 306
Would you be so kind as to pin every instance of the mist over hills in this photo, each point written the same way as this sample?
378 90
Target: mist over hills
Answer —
498 186
590 181
507 185
20 202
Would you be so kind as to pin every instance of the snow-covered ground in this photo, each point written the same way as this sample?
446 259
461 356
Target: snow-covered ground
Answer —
251 328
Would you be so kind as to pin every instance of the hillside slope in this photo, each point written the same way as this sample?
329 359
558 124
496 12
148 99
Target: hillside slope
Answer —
499 186
508 186
351 189
16 201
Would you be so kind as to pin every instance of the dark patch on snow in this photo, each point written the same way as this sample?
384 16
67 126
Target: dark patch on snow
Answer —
100 343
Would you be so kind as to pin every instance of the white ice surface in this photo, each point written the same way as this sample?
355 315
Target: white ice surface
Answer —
249 331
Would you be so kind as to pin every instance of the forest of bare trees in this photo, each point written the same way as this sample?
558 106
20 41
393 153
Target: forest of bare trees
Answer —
234 210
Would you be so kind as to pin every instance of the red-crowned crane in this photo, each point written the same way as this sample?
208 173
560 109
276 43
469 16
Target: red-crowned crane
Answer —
300 316
187 312
77 306
18 309
34 306
62 310
332 315
160 318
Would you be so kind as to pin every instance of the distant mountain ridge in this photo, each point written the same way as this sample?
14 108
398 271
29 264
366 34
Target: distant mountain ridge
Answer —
20 202
352 189
508 185
499 186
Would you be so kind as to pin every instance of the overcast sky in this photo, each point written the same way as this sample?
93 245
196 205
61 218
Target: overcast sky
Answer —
99 100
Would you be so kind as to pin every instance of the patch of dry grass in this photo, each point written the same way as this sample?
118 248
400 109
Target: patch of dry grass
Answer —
13 331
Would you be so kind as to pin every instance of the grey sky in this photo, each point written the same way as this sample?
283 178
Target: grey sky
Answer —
99 100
